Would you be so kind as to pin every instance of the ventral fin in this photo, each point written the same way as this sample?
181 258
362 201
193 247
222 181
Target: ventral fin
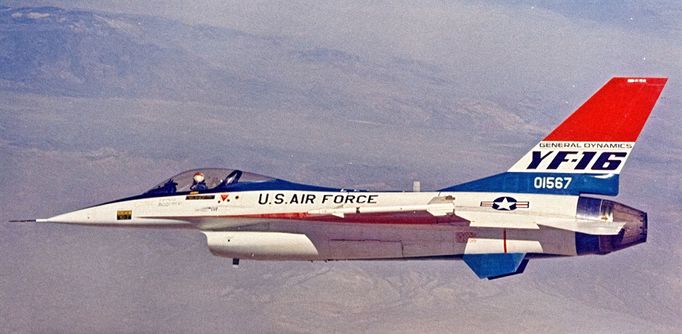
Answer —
492 266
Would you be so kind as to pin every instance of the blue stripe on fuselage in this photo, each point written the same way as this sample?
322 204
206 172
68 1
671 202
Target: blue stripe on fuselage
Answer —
274 184
543 183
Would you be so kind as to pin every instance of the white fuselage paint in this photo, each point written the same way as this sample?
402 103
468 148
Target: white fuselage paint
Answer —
314 225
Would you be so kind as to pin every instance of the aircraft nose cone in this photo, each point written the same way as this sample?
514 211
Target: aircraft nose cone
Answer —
75 217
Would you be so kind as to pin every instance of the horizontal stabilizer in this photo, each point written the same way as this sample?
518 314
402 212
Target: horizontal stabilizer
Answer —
584 226
495 220
493 266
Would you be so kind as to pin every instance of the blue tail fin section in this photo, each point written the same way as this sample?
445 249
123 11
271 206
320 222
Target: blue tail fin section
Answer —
543 183
493 266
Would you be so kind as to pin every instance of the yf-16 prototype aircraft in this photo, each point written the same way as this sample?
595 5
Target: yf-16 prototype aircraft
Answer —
538 208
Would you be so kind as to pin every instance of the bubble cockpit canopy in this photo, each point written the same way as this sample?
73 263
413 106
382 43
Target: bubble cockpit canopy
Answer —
209 179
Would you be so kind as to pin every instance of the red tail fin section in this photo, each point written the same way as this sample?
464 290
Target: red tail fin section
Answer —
616 113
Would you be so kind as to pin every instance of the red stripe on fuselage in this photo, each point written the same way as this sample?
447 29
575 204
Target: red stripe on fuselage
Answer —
407 218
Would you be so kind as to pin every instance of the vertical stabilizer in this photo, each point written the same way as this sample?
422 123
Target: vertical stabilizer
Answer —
587 151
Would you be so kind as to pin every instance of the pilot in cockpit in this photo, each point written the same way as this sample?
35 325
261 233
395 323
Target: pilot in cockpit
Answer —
198 182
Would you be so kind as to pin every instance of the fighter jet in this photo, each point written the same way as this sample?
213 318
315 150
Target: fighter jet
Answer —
543 206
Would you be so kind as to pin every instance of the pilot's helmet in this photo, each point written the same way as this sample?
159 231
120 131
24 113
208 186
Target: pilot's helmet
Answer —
198 177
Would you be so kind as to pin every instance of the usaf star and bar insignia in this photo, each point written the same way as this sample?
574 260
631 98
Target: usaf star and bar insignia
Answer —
505 203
